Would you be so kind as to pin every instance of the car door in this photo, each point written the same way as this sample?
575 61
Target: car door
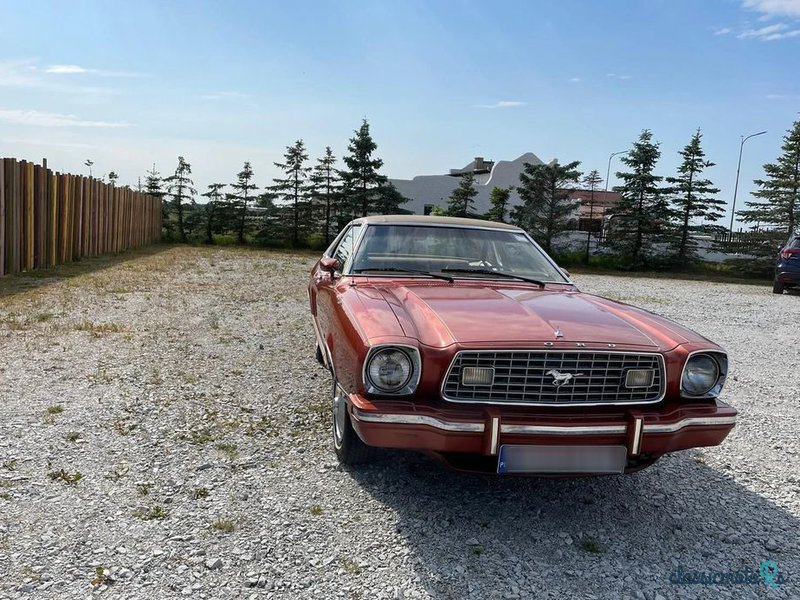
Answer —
323 290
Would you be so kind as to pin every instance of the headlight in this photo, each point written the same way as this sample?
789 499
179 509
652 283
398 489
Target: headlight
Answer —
392 370
704 375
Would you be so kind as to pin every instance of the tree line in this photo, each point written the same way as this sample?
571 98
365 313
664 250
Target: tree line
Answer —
306 206
652 223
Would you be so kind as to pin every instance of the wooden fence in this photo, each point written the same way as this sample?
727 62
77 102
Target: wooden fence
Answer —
51 218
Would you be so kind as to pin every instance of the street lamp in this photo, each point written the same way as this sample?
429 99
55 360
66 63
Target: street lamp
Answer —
605 191
736 187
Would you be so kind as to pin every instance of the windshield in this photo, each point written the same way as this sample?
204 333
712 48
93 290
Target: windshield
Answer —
459 251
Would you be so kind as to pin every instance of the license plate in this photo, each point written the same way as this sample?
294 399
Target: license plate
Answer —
561 459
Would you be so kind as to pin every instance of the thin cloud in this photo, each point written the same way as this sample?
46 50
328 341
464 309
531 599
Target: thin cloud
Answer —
615 76
575 80
770 33
771 8
226 96
79 70
503 104
47 119
723 31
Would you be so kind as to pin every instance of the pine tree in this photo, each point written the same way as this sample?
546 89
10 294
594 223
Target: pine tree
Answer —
499 204
389 200
113 178
778 204
642 214
242 197
693 197
361 181
213 208
293 189
327 191
180 187
462 200
590 182
546 208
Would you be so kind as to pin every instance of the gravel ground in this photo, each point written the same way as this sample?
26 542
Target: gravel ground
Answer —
163 434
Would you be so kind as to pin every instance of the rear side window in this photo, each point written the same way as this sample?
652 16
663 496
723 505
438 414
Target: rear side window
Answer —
794 243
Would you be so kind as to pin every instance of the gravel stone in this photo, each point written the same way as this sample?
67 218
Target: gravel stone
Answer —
191 372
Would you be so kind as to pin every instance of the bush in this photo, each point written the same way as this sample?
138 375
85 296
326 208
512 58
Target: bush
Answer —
224 239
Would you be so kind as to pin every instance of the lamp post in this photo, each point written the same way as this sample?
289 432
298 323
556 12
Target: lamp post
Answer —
605 191
736 187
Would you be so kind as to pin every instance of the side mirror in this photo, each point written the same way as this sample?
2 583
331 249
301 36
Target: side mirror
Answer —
329 264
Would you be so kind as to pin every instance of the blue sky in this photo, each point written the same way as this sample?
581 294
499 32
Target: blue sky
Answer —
129 84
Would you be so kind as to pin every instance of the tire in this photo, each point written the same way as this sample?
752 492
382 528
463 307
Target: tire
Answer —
777 287
347 446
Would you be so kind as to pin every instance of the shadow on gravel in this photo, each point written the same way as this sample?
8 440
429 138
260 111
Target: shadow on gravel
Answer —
31 280
475 536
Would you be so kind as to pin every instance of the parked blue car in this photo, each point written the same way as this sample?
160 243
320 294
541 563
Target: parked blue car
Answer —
787 267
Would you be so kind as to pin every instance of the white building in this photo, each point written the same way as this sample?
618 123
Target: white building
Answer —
427 191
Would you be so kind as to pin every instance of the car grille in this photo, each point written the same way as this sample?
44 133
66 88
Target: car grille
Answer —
524 377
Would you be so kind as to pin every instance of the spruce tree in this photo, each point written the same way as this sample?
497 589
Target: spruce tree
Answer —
327 191
153 186
294 188
777 206
692 197
241 198
388 200
590 182
642 215
361 181
546 207
498 199
462 200
213 208
180 188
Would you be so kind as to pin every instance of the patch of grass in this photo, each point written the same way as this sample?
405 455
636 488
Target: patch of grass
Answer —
229 449
590 545
699 459
477 549
189 378
5 483
122 426
156 512
199 493
55 409
43 317
143 488
349 565
203 436
73 436
224 525
10 464
102 577
66 477
100 327
316 510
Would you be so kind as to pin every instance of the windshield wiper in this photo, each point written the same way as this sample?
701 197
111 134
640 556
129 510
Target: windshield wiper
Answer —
412 271
499 273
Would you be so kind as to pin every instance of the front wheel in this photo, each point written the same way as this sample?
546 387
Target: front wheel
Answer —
349 448
777 287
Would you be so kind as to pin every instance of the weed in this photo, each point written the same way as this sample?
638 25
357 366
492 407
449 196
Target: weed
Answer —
591 545
69 479
55 409
143 488
122 426
349 565
476 549
200 492
101 577
44 317
229 449
152 513
73 436
10 464
224 525
316 510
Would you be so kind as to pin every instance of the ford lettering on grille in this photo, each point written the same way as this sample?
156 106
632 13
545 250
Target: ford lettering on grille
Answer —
555 377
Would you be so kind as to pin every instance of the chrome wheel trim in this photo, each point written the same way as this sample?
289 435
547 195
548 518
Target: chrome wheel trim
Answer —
339 416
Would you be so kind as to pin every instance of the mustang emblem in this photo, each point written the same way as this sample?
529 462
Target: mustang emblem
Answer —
561 379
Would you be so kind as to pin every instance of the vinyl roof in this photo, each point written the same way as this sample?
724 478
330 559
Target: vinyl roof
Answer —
433 221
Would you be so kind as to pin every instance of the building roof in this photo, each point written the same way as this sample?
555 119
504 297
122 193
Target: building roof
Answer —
432 220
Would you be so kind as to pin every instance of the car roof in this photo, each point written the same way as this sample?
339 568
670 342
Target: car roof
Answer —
435 221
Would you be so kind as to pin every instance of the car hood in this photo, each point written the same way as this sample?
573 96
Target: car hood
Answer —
489 313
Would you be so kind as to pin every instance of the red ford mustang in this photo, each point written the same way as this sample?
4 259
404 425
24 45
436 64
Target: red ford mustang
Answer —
463 339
